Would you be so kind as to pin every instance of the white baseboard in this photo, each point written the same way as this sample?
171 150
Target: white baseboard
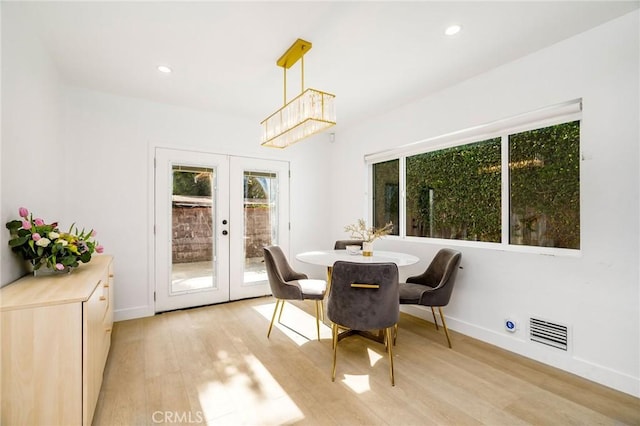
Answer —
133 313
520 345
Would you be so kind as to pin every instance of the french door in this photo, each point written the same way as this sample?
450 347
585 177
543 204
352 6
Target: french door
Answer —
213 215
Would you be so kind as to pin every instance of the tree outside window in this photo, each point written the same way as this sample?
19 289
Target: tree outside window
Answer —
386 195
455 193
544 171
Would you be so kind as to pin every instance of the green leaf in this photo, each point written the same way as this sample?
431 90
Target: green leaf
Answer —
18 241
85 257
14 225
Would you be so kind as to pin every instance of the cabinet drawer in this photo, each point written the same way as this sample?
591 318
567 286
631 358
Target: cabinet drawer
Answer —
107 322
107 292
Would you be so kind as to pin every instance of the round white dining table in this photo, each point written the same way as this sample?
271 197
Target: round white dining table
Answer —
329 257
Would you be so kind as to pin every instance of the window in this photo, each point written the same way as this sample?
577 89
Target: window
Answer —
518 187
455 193
386 194
544 185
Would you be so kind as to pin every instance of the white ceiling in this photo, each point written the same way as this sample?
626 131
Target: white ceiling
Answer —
371 55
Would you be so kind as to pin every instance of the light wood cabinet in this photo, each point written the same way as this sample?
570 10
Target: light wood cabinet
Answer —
55 334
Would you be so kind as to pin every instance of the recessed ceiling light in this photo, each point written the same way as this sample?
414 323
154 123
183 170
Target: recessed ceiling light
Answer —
165 69
453 29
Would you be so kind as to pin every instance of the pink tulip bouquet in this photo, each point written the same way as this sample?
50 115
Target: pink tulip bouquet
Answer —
41 244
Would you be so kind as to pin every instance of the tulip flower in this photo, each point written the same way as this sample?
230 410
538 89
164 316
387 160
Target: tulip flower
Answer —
33 236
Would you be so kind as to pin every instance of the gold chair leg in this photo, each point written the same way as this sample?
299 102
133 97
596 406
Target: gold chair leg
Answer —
390 351
395 334
273 317
318 307
444 325
334 338
435 321
281 309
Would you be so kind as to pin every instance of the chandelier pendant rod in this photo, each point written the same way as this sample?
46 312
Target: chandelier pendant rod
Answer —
302 73
285 85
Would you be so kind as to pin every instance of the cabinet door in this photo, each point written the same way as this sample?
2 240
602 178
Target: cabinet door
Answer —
42 365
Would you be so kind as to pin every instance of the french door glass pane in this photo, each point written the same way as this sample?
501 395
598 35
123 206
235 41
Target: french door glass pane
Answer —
192 223
260 221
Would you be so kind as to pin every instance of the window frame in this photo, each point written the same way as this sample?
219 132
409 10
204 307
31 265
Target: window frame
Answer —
541 118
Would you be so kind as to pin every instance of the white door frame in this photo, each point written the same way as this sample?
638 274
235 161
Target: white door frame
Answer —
229 238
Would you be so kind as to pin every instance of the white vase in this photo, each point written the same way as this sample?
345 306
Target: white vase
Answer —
367 248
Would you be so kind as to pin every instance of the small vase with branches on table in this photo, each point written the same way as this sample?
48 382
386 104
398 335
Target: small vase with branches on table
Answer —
368 235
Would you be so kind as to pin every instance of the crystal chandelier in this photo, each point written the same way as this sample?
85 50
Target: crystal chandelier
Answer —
310 112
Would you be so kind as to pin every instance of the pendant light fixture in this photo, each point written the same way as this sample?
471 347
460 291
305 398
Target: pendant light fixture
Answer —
311 112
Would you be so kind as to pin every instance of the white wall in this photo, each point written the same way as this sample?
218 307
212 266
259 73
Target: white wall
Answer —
33 161
595 294
116 137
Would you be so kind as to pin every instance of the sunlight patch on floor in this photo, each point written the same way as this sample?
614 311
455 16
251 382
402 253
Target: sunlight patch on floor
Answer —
297 324
373 356
357 383
247 385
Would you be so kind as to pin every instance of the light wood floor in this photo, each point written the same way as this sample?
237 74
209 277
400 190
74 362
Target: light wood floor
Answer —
214 365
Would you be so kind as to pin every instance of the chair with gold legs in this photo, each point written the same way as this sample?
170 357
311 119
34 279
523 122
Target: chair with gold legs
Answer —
434 286
287 284
363 297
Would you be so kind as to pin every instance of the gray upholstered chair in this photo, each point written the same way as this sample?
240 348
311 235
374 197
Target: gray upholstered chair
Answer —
434 286
342 244
287 284
364 296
